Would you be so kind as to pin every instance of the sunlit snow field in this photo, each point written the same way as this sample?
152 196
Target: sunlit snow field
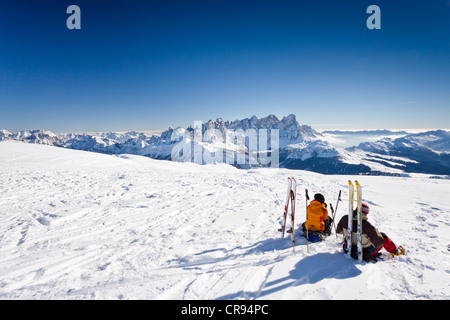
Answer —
82 225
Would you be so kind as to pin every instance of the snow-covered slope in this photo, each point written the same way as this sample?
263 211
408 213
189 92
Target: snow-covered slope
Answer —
82 225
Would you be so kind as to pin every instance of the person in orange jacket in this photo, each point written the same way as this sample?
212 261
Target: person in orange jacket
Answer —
318 222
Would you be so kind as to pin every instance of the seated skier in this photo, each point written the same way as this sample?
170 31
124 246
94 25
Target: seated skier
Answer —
372 239
318 222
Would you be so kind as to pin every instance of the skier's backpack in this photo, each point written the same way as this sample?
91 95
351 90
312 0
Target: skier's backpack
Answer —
312 236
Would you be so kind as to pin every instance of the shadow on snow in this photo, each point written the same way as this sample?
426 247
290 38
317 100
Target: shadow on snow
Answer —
309 270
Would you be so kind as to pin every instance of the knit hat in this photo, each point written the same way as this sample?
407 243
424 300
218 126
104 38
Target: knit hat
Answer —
365 208
319 197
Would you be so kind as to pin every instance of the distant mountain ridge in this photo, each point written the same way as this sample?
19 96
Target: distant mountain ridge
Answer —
366 132
300 146
430 151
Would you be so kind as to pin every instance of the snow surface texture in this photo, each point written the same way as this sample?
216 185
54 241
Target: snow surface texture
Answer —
81 225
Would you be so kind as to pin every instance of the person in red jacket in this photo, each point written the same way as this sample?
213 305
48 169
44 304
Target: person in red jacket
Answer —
372 240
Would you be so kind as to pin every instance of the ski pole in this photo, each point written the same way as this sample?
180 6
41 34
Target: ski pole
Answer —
294 196
292 222
334 213
307 198
332 210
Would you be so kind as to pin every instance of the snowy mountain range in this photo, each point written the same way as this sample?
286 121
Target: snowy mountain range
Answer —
426 152
299 146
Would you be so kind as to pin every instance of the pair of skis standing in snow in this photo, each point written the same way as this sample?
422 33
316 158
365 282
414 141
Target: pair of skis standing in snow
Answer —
363 242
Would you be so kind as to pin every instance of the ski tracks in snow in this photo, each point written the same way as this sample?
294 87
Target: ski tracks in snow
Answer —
107 227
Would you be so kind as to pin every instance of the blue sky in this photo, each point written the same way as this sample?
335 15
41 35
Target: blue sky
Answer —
146 65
